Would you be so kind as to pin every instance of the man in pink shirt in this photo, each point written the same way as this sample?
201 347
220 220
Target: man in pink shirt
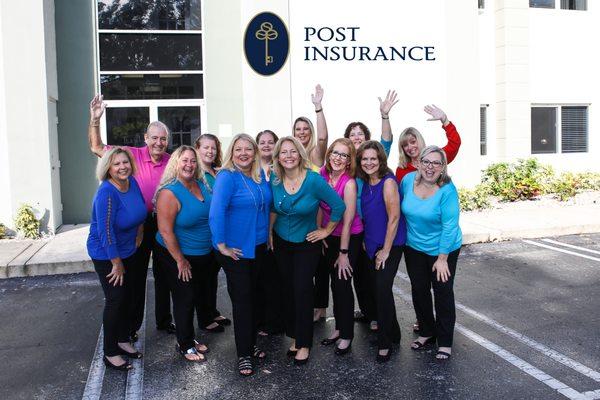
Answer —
150 161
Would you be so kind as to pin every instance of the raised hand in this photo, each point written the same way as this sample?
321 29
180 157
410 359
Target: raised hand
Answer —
97 107
437 114
317 97
386 105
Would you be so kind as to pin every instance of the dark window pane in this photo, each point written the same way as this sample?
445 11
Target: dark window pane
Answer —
574 129
541 3
573 4
150 52
126 126
141 87
481 3
543 130
149 14
483 131
183 122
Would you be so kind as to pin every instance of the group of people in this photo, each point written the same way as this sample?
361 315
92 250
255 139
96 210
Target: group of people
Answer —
282 217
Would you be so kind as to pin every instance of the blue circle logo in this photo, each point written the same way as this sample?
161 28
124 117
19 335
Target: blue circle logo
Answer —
266 43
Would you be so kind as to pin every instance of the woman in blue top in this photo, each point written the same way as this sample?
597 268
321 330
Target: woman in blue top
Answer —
184 251
297 192
239 222
118 214
430 205
210 156
381 208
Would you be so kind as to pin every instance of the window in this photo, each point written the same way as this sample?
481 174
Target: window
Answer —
573 4
150 67
545 133
542 4
483 130
481 4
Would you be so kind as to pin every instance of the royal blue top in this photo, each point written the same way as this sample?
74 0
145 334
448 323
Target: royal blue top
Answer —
191 222
432 223
116 217
239 215
297 213
387 146
375 217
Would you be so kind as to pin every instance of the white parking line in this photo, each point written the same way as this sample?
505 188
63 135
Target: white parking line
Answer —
561 250
135 376
592 395
571 246
521 364
93 386
545 350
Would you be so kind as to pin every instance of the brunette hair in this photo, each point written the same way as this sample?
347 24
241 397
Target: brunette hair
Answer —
381 156
219 157
266 132
362 127
351 167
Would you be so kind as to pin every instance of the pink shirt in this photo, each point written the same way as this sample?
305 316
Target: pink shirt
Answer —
148 172
357 226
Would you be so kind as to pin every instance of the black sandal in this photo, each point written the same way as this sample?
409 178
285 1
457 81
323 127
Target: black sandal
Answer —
197 343
245 364
191 350
258 353
223 322
444 355
416 345
123 367
135 355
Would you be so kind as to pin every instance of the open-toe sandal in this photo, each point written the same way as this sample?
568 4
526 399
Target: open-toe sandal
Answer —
245 364
191 350
258 353
197 344
126 366
442 355
416 345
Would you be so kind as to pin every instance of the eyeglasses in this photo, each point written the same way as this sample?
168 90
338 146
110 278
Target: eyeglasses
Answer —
434 164
342 156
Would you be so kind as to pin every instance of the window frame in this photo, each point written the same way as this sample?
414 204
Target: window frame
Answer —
483 128
558 6
558 128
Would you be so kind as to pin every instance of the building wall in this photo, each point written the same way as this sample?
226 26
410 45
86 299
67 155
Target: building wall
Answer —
76 84
28 91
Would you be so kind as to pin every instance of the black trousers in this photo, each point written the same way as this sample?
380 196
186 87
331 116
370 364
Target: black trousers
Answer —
422 279
242 278
162 295
186 295
209 292
343 297
388 327
364 285
321 292
116 319
297 263
269 305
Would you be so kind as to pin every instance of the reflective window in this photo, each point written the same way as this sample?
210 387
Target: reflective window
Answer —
543 130
542 3
126 126
573 4
149 14
152 86
183 122
483 130
149 52
574 129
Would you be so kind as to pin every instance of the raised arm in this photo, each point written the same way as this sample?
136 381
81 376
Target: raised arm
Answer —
317 157
97 107
451 148
385 107
392 207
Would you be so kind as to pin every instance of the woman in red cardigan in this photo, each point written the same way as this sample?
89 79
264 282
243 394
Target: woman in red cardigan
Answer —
411 143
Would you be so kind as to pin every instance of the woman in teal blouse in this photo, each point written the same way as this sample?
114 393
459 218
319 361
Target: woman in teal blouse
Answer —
430 205
295 238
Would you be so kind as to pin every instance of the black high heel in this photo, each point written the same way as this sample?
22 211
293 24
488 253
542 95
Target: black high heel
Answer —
328 342
383 359
341 352
136 354
416 345
123 367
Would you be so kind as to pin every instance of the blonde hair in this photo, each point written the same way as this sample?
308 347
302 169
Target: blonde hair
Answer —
404 159
277 168
312 142
351 167
170 174
104 163
229 165
443 178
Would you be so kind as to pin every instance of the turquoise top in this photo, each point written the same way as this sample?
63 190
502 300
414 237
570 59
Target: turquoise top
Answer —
210 180
387 145
297 213
191 223
431 223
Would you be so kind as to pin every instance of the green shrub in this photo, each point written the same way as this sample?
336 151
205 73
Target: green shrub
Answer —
2 231
522 180
26 223
565 186
589 181
474 199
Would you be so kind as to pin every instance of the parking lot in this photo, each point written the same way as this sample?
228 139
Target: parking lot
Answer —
528 327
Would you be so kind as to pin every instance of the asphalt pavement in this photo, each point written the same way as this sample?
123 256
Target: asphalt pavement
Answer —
528 323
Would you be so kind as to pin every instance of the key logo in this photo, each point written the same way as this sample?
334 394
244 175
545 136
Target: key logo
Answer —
266 43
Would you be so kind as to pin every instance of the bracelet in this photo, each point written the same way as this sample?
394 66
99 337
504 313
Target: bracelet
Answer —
98 124
319 110
386 117
344 251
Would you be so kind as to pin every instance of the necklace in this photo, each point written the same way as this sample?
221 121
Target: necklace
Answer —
262 198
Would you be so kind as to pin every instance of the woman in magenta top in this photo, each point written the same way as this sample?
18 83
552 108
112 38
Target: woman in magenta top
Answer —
344 243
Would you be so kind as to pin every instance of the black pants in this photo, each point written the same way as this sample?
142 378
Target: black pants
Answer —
321 292
162 295
343 297
297 263
422 279
388 328
242 278
186 295
269 305
211 288
116 319
364 285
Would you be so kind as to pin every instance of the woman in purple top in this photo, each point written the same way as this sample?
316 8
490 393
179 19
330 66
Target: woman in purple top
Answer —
344 244
380 201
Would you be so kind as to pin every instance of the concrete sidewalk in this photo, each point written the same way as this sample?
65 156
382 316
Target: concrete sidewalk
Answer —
66 253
